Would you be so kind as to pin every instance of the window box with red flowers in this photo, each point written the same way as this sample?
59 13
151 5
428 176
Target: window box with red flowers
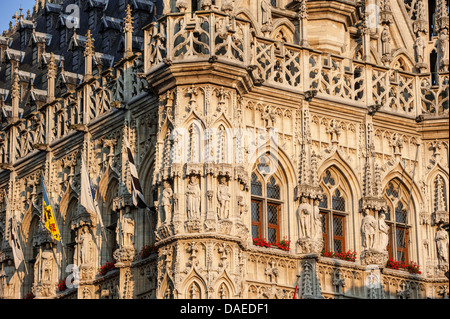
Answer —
146 251
29 295
283 244
348 256
62 284
411 267
110 265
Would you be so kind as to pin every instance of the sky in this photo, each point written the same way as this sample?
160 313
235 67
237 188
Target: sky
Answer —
9 7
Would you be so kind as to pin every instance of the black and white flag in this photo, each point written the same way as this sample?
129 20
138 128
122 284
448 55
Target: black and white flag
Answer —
138 196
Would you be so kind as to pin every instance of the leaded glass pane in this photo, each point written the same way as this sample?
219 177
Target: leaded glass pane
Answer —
400 213
323 217
256 214
338 202
273 190
272 214
255 232
256 186
401 237
338 247
391 191
327 179
338 226
272 235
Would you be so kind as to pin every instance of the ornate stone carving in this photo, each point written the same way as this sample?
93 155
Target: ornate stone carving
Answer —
193 198
310 227
166 202
441 239
224 197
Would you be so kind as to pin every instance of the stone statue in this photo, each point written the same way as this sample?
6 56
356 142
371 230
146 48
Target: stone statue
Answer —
85 243
193 198
443 50
47 265
224 197
441 240
420 49
304 213
125 230
266 8
317 221
368 229
386 41
241 202
166 203
383 230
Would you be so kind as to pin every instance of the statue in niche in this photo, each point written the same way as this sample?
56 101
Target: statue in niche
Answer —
241 202
304 213
441 240
368 229
85 246
125 230
266 8
317 221
224 197
383 230
420 49
166 201
193 198
386 42
443 50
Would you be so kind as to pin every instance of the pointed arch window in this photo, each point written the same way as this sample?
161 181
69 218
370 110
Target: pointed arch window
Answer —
397 217
334 209
266 206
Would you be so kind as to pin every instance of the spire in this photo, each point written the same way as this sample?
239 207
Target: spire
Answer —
15 96
51 75
89 51
128 29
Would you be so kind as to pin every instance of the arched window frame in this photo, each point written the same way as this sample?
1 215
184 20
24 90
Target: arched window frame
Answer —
270 208
396 195
335 207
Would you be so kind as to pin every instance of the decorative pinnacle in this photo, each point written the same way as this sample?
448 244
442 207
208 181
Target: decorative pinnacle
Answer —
89 47
15 87
128 19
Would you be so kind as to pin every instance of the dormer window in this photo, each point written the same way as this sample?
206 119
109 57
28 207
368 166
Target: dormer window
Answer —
62 37
76 59
106 42
92 19
35 55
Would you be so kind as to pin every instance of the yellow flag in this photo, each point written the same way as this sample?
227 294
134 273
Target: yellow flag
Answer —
49 217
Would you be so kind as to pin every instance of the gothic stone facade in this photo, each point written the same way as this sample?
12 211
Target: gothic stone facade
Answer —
323 124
